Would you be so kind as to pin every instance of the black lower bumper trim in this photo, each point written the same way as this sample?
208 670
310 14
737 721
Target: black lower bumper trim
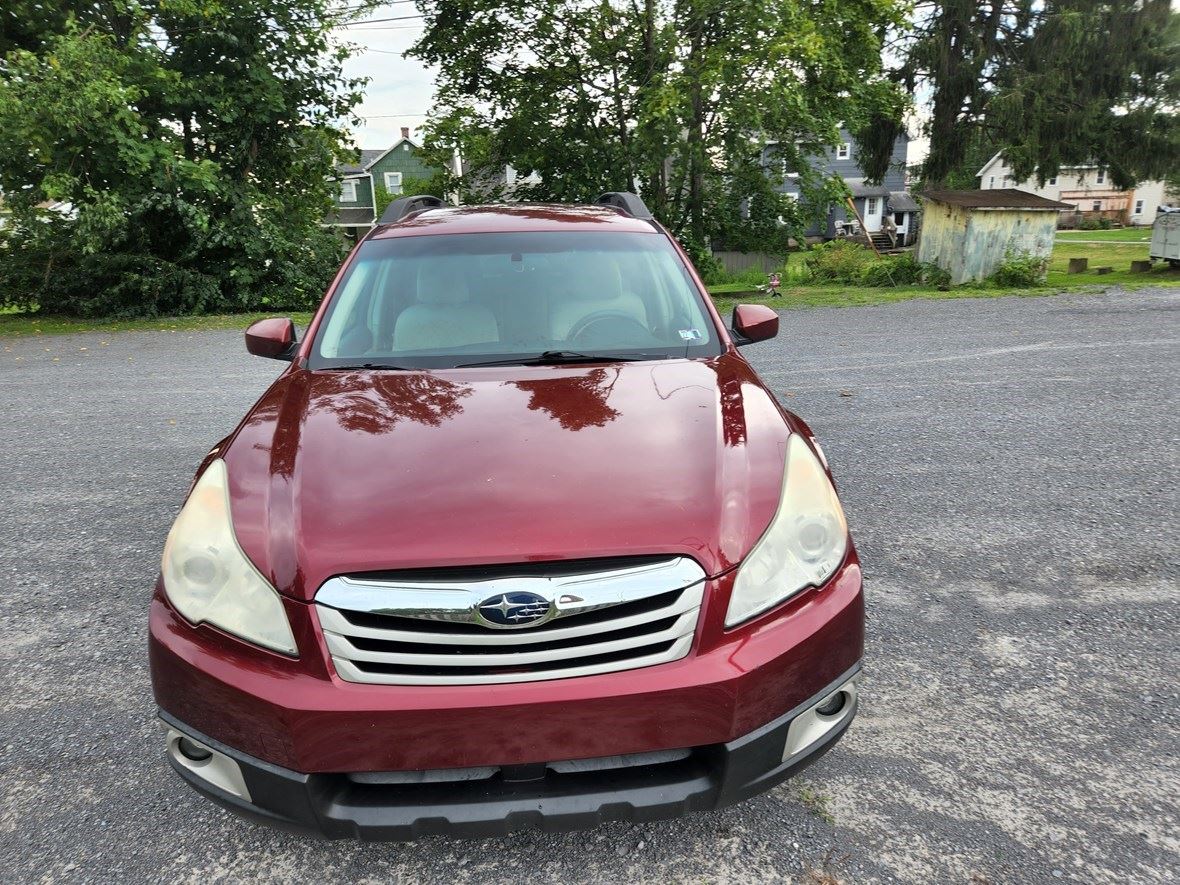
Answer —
336 806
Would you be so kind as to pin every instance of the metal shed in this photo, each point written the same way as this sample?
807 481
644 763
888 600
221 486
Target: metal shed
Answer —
969 233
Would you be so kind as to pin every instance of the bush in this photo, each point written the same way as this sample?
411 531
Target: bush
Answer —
1088 224
42 268
1104 223
1020 270
838 261
901 270
702 259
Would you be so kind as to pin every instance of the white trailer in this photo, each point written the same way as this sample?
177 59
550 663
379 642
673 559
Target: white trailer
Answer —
1165 238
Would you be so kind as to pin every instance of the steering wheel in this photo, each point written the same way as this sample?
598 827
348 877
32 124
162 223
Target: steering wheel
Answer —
618 317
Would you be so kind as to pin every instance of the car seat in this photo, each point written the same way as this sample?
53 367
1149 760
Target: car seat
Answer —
443 315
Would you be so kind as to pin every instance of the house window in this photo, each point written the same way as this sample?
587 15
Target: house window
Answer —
348 192
393 182
1052 182
843 151
899 219
871 206
1096 206
1101 176
1138 207
991 182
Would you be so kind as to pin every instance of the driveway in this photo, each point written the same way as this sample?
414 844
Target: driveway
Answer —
1009 468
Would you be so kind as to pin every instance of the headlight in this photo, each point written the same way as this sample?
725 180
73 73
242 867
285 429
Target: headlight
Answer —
208 578
804 544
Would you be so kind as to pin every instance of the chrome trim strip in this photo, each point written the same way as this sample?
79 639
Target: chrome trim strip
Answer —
332 621
341 647
348 671
459 600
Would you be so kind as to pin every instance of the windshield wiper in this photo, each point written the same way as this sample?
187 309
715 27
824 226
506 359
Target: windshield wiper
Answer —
557 358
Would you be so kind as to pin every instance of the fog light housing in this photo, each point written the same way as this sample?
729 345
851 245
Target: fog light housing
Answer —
832 705
193 751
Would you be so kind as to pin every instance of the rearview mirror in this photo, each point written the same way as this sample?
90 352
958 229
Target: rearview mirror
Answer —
753 322
273 338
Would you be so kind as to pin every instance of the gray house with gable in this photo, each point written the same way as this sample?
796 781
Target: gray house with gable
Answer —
881 208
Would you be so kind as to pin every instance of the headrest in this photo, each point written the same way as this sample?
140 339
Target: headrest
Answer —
594 277
441 281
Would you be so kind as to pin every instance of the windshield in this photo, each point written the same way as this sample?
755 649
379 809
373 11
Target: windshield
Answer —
459 299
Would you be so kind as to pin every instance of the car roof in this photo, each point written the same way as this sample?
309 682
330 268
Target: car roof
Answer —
513 218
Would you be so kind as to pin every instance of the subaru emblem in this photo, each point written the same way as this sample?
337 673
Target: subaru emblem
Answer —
517 609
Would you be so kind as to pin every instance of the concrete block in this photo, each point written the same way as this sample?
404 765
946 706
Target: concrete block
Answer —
1140 266
1102 270
1078 265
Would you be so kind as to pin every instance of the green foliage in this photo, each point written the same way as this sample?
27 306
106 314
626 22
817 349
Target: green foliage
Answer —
838 261
1020 271
676 101
191 144
411 187
1051 85
702 259
900 270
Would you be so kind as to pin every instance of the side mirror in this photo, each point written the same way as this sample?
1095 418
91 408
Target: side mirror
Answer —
754 322
273 338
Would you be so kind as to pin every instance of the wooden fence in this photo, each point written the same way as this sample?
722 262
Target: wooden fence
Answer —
736 262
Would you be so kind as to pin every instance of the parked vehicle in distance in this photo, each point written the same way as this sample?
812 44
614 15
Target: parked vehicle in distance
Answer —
1165 238
519 539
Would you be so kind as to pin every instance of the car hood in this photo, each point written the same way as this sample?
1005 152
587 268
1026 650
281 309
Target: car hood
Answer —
346 472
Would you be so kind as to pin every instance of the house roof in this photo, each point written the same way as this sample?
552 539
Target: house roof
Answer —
858 188
369 161
900 201
997 198
986 165
366 160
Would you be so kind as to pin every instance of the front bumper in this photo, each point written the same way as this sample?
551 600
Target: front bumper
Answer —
300 715
540 796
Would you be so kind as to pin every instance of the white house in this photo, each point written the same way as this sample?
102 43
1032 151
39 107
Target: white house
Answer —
1087 188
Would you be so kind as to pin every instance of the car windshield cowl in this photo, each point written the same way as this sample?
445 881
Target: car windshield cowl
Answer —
356 367
563 357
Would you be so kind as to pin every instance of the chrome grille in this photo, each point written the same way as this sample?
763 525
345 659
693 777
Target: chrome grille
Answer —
437 632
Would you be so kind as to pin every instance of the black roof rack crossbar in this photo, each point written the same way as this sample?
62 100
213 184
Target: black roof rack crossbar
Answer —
629 204
400 208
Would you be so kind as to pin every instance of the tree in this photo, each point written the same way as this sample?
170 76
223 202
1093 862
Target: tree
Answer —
192 142
676 100
1051 84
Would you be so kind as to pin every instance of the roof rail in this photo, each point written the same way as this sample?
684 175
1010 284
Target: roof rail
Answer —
627 203
400 208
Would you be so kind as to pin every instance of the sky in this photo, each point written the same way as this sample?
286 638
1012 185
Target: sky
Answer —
401 90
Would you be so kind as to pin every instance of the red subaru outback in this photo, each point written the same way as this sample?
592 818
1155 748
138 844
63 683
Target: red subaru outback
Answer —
519 539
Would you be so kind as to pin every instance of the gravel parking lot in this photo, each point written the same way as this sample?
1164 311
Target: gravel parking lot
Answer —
1009 468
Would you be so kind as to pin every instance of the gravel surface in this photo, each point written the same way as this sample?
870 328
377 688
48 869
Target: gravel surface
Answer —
1009 468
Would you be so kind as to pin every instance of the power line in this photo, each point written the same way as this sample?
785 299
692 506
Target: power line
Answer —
374 21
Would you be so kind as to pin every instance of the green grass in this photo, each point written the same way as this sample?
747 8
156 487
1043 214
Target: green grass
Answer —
14 323
1116 255
1116 235
814 801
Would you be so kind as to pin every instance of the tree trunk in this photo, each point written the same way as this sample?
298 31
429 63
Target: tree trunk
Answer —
696 153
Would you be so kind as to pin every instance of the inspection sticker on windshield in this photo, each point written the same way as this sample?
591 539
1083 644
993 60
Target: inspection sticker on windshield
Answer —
690 334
